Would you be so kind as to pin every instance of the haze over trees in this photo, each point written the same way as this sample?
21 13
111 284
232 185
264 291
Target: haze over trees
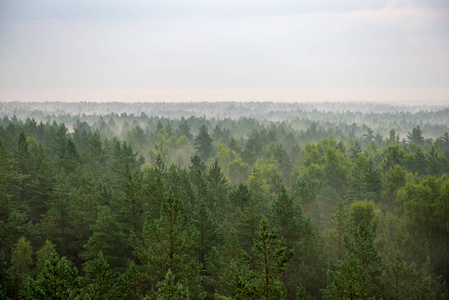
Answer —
223 201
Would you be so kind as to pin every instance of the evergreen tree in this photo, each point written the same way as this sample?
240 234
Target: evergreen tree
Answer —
22 165
168 244
219 187
57 222
369 135
203 143
399 279
248 223
209 233
267 260
302 294
41 188
361 245
416 136
21 263
287 217
133 283
133 202
339 225
100 279
44 254
108 238
197 175
184 129
169 290
309 263
8 179
348 280
58 280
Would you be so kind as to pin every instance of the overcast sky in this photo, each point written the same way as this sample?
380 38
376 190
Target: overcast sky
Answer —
241 50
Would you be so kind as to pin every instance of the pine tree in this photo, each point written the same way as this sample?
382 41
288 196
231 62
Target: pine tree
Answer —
302 294
203 143
248 223
43 254
369 135
8 179
41 188
58 280
21 263
100 279
267 260
168 245
57 222
361 245
209 233
169 290
133 283
184 129
308 266
108 238
133 202
219 188
197 175
348 280
399 279
287 217
339 224
416 136
22 165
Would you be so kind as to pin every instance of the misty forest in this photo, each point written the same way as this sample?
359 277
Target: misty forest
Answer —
227 200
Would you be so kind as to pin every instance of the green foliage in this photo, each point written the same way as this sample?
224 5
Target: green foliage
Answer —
44 254
367 211
287 217
361 246
339 225
21 257
100 279
168 289
203 143
267 261
187 217
209 233
348 280
108 238
302 294
416 136
168 244
58 280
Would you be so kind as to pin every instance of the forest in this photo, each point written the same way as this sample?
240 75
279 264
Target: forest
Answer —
227 200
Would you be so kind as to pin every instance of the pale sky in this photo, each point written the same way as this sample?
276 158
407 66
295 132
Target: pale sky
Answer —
239 50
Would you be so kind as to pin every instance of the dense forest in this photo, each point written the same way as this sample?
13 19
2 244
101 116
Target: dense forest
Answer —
223 201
